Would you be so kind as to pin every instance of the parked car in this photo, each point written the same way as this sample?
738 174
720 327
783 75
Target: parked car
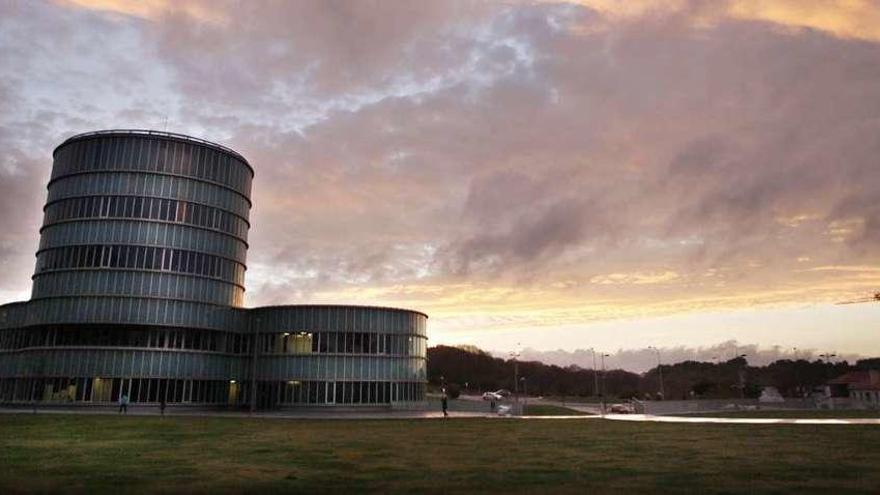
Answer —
623 409
491 396
503 392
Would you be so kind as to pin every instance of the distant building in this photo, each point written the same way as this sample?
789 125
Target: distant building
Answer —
770 395
139 289
861 387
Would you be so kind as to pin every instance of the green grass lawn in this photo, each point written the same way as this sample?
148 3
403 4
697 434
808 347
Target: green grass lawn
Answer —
791 414
548 410
209 455
579 400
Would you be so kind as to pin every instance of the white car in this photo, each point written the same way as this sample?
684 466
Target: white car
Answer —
623 409
491 396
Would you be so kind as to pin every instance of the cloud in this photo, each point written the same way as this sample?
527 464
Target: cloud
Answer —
496 165
153 10
859 19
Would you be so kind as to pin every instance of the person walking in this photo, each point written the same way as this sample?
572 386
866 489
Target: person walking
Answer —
162 405
123 404
445 404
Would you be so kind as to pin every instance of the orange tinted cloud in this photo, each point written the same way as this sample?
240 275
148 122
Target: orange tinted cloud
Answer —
150 9
844 18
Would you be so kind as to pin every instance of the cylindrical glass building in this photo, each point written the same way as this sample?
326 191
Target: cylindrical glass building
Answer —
139 286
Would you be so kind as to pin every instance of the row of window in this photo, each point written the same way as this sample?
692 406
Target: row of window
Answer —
180 391
152 185
145 234
152 155
121 310
141 258
207 340
340 367
340 319
168 210
122 336
142 362
141 284
108 390
295 392
304 342
107 361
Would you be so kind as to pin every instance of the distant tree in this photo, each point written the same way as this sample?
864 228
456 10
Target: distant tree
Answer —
868 364
752 390
453 391
702 388
485 372
472 349
629 394
793 378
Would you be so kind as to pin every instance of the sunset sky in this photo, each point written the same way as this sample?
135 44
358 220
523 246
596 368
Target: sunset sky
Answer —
546 175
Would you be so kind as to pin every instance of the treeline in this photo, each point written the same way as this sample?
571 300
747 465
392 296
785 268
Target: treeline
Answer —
477 371
473 370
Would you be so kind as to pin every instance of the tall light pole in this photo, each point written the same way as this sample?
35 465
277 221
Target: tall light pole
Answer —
514 355
742 382
659 370
595 374
827 357
603 381
717 373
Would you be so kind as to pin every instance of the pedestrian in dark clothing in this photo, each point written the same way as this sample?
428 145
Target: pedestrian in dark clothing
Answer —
445 403
123 404
162 404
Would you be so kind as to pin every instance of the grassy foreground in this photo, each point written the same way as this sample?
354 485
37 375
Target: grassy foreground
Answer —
792 414
550 410
175 454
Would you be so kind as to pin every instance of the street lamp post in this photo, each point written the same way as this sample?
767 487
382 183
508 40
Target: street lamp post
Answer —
827 358
717 373
742 383
659 371
603 381
595 374
514 355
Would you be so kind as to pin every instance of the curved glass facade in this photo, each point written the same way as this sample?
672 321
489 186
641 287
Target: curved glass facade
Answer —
139 287
159 153
132 257
160 209
116 221
343 355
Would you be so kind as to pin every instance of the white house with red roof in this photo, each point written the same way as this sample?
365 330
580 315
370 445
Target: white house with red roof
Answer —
862 387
